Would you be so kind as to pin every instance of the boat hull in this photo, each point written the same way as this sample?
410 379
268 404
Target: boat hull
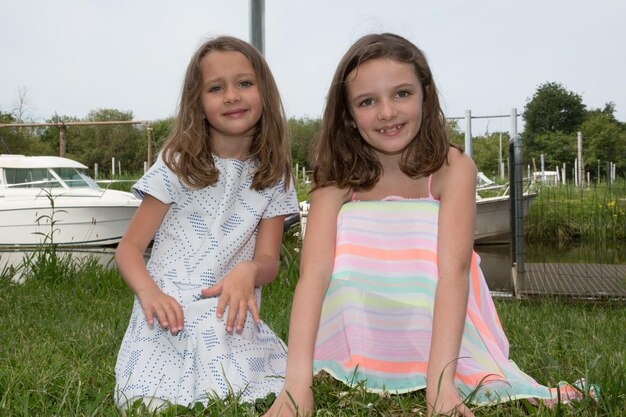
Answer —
66 225
493 221
493 218
52 200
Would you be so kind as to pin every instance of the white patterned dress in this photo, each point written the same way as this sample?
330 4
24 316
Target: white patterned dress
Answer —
203 236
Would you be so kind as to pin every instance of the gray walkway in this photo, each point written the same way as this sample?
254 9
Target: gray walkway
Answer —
582 281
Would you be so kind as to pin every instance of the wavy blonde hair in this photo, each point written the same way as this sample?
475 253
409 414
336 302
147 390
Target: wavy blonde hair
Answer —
188 152
341 157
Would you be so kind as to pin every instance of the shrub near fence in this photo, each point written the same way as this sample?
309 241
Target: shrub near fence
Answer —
592 213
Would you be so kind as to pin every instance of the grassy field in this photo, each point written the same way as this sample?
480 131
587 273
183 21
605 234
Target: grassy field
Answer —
62 328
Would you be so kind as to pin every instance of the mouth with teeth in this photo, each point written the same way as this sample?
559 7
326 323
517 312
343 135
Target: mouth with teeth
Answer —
391 129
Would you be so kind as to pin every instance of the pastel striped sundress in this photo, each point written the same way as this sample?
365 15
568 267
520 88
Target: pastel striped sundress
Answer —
376 318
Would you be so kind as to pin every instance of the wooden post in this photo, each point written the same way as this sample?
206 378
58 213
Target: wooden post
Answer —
581 166
62 131
149 129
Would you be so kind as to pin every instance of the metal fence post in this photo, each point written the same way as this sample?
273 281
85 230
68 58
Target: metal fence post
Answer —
469 146
516 181
257 24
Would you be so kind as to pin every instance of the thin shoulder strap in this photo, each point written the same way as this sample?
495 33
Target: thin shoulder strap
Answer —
430 181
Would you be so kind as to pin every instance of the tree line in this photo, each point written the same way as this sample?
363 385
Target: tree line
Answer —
552 117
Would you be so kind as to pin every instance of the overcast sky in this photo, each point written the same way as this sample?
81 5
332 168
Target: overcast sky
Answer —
74 56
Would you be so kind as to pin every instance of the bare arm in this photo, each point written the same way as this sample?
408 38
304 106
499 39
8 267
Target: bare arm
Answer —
455 185
316 265
130 262
267 249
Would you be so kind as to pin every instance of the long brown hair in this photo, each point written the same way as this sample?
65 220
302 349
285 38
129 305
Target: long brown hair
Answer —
187 151
341 157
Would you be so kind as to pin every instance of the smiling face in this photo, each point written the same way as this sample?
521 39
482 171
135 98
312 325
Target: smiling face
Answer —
230 97
385 98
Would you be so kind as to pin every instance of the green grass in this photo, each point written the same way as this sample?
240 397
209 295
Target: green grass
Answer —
122 182
62 328
595 213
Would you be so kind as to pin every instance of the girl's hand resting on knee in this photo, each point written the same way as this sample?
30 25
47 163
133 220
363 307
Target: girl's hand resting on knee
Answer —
284 406
236 291
169 313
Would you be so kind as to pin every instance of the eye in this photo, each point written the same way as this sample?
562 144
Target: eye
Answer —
215 89
403 93
246 84
367 102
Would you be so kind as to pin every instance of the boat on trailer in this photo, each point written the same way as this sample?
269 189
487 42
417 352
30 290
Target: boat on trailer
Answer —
52 200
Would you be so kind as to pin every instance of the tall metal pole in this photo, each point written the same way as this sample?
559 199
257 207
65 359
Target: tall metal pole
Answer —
513 131
468 133
581 166
500 163
517 214
257 27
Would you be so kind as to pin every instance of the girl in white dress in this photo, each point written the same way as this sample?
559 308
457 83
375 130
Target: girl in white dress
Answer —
214 202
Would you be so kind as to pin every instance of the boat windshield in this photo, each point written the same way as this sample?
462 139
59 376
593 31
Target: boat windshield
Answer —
75 178
44 178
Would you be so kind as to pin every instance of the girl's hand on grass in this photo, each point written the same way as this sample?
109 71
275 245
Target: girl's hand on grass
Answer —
236 291
167 310
447 402
284 404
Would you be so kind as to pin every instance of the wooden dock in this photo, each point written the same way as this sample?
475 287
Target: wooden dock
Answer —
581 281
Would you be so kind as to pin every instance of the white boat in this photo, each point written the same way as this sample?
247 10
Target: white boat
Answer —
493 217
48 199
493 214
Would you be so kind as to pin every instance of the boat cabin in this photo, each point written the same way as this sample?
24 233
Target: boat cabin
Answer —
47 172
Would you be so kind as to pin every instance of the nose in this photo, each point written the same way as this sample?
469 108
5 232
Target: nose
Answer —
387 110
231 95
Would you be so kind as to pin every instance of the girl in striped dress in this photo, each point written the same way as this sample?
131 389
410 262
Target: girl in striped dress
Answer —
390 293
